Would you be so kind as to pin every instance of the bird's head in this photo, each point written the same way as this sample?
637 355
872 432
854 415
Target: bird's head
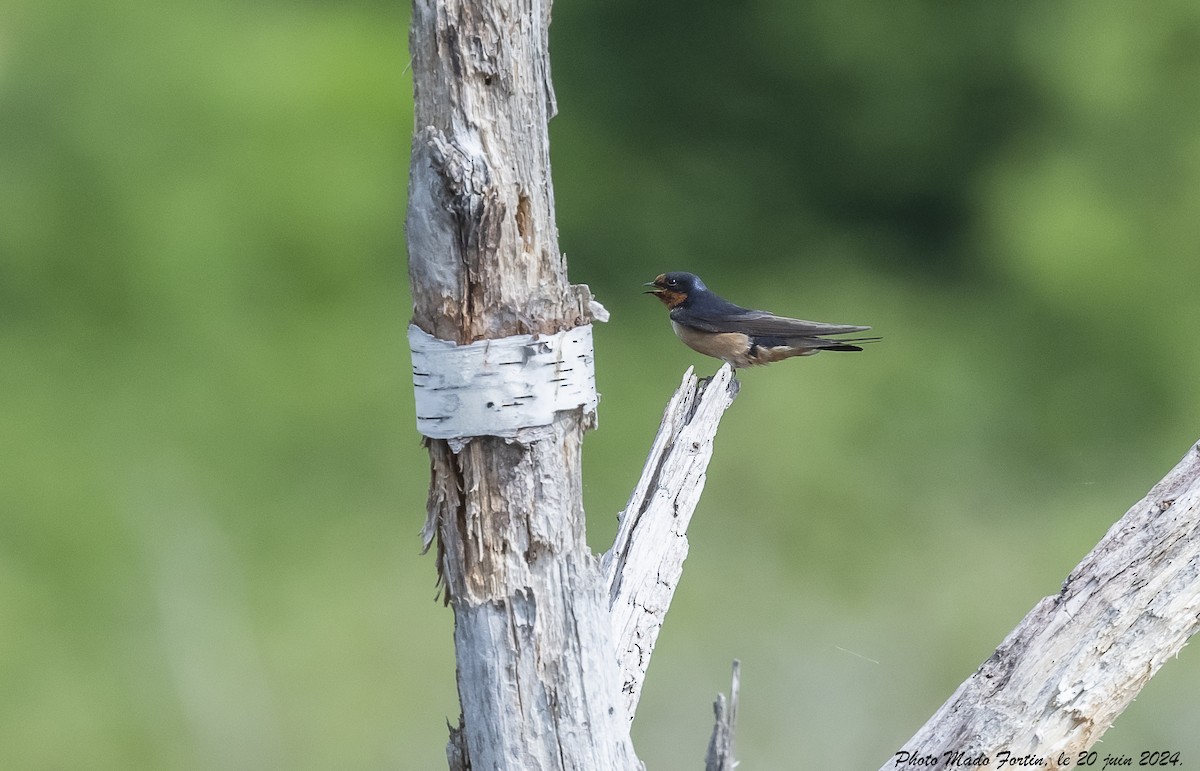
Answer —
675 288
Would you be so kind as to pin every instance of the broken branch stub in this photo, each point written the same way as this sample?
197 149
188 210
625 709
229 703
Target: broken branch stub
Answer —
645 563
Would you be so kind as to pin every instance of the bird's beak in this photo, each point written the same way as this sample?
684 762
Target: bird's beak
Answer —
656 290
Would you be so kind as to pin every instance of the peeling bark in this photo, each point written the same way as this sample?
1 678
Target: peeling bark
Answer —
536 681
553 645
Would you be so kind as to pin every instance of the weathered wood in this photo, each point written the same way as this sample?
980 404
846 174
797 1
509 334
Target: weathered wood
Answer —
535 613
1060 679
720 755
482 238
536 679
645 563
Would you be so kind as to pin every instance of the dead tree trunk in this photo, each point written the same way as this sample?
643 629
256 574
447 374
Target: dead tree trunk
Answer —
553 642
535 677
499 339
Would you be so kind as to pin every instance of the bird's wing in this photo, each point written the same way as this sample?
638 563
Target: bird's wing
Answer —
751 322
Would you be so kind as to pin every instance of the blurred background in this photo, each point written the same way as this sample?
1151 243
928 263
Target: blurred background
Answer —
211 484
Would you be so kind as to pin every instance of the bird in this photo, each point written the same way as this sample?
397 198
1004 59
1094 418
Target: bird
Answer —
743 337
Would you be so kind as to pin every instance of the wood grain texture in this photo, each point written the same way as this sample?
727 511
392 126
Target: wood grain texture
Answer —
482 237
645 563
536 679
720 755
1078 659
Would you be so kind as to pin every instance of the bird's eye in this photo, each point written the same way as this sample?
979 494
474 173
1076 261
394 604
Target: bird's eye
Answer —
672 281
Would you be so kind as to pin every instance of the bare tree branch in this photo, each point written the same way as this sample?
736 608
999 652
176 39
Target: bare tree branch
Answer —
720 747
1060 679
646 560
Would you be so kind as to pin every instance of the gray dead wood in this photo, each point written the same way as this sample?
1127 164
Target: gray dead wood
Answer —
1061 678
720 747
536 679
538 621
539 677
643 567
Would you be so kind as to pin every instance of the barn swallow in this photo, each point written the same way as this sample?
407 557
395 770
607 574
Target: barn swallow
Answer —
743 337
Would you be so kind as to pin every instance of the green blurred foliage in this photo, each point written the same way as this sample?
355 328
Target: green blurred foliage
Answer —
211 481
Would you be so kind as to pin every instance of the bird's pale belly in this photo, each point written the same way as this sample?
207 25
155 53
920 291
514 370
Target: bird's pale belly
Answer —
734 347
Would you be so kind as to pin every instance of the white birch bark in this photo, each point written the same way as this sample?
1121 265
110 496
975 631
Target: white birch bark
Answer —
552 643
536 679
